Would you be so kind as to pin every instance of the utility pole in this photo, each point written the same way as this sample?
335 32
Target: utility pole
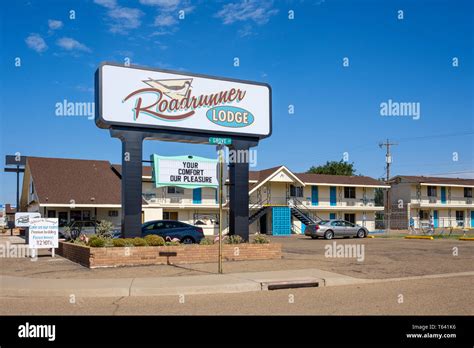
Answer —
388 161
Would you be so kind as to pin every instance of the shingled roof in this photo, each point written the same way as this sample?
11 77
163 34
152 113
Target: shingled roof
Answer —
435 180
60 180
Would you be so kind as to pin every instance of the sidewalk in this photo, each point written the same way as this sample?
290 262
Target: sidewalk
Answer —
184 285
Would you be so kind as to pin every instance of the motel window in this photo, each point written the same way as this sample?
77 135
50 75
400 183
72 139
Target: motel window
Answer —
424 215
76 215
86 215
431 191
113 213
296 191
350 217
175 190
51 213
459 215
349 192
468 192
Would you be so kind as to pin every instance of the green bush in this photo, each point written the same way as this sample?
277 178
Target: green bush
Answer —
97 242
139 242
104 229
233 239
259 239
128 242
119 242
206 241
154 240
171 243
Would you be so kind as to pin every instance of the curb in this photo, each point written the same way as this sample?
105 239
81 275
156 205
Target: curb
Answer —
467 238
419 237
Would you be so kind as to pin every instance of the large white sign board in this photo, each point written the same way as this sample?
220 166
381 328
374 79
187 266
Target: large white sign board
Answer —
23 219
148 98
43 233
183 171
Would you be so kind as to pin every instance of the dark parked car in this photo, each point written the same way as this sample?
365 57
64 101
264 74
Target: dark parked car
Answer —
187 234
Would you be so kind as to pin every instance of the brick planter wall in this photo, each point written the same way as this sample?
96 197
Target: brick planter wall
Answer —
149 255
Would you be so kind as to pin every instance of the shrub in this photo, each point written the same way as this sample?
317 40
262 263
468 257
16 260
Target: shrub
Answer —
206 241
154 240
104 229
97 242
233 239
259 239
128 242
171 243
119 242
139 242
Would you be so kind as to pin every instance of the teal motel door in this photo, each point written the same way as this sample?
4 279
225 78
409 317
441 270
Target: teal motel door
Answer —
332 216
332 195
443 195
281 221
435 219
197 196
472 218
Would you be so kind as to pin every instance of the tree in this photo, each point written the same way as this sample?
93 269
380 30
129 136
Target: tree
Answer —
333 168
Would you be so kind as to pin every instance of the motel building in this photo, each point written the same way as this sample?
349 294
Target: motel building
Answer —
442 202
280 202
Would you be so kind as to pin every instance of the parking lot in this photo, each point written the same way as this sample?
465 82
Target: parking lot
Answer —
382 258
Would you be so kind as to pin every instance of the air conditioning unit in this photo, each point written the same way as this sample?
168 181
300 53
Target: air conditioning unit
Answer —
432 199
469 201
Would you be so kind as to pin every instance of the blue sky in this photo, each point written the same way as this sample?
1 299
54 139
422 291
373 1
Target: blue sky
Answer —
337 108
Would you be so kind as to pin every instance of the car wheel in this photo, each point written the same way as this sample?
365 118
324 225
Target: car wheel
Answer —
329 234
187 240
361 233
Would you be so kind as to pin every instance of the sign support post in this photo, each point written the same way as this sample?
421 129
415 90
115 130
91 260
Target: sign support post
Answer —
239 191
132 151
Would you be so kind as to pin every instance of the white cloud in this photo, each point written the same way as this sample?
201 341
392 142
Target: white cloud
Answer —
106 3
69 44
36 43
54 24
121 19
165 20
248 10
172 4
124 19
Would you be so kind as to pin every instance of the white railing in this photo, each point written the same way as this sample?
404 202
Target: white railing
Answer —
437 200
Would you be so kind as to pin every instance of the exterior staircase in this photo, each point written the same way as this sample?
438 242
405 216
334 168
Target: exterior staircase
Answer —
303 214
260 212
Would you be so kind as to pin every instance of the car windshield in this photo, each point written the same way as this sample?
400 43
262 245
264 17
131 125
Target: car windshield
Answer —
323 222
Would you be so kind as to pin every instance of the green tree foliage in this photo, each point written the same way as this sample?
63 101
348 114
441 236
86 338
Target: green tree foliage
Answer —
334 168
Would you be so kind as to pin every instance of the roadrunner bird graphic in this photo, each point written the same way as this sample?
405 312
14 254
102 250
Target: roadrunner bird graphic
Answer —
173 88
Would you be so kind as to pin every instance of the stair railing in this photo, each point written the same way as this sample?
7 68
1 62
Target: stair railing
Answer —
298 205
259 204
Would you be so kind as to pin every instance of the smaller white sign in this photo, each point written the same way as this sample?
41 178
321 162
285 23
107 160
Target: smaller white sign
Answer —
184 171
3 218
23 219
43 233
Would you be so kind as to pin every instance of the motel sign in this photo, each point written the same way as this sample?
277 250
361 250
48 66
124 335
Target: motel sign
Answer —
137 103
